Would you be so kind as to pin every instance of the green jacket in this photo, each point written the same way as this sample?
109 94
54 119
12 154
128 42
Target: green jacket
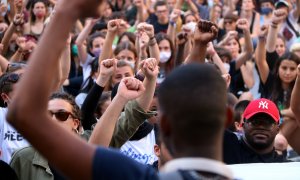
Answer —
30 165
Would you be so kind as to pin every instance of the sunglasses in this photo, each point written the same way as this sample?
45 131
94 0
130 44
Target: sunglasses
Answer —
61 115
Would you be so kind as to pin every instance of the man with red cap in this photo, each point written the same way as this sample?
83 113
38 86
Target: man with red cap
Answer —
261 125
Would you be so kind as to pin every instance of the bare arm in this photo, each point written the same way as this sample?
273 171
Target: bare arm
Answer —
295 99
82 51
3 63
171 32
248 48
205 32
112 27
37 82
260 55
65 63
277 17
247 74
215 57
296 12
129 88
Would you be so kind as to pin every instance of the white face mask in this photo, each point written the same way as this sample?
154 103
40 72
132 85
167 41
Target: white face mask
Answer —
131 63
164 56
227 67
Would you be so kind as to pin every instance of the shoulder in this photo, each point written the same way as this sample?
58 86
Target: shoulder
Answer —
26 153
111 164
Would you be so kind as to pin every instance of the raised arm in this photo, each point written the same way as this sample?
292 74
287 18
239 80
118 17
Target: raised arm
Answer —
296 11
171 32
18 21
37 82
142 13
205 32
134 115
107 68
295 98
65 62
278 16
215 57
82 51
248 48
129 88
112 29
260 55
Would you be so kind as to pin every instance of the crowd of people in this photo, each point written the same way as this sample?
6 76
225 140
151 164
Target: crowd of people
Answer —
147 89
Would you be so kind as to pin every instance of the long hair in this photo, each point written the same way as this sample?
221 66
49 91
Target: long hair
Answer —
277 94
32 15
170 64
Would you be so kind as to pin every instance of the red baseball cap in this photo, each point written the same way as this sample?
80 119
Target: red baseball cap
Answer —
262 106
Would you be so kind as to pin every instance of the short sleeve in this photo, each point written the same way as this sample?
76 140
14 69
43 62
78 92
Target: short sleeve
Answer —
111 164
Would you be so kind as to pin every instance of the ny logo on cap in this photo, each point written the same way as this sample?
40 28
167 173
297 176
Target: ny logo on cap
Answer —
263 105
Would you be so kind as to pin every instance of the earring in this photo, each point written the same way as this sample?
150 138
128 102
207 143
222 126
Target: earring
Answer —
76 131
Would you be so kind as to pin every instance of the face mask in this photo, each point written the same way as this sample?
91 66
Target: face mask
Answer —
265 11
227 66
75 50
131 63
40 14
164 56
96 52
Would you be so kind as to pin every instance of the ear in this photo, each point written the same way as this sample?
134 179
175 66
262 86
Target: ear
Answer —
229 119
5 97
76 123
157 150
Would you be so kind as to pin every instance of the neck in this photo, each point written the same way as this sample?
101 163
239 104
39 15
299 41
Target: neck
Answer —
285 86
209 152
162 21
39 20
259 151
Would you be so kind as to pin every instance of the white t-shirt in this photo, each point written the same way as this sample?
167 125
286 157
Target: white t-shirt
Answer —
287 32
86 67
141 150
10 139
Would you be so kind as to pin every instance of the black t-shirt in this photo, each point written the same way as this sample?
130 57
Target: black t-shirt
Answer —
157 27
271 59
237 84
236 151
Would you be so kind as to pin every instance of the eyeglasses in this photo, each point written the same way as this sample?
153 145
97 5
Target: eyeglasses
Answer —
268 123
61 115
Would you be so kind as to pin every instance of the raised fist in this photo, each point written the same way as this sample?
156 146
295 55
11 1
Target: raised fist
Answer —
243 24
206 32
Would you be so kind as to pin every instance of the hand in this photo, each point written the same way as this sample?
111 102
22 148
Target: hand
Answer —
19 5
175 15
205 32
149 68
138 3
243 24
227 79
3 27
181 38
18 19
130 88
210 49
3 8
278 16
143 40
263 31
107 68
91 21
145 27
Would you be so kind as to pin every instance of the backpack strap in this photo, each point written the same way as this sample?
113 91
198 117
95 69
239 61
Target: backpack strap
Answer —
292 27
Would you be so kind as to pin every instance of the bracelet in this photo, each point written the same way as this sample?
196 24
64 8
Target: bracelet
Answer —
172 23
274 25
152 42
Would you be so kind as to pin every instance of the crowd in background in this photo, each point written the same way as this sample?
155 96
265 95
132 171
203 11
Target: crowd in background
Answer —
106 77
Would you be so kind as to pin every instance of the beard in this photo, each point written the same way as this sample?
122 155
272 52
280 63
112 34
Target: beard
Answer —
259 145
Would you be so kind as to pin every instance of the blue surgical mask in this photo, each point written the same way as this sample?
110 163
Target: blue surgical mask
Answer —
266 11
96 52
